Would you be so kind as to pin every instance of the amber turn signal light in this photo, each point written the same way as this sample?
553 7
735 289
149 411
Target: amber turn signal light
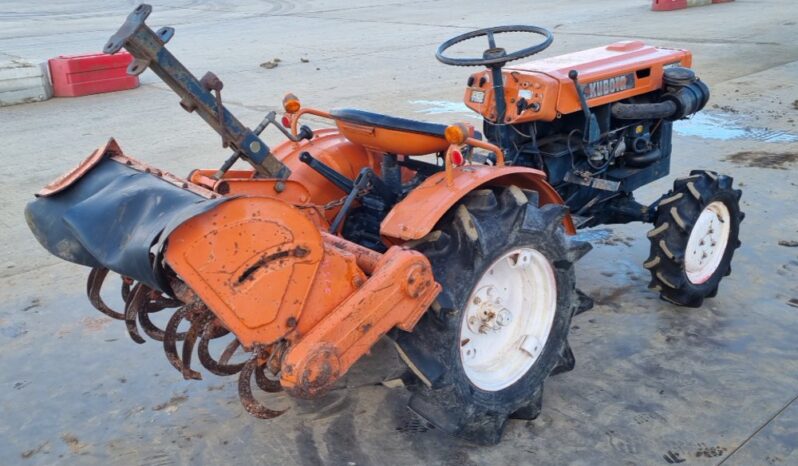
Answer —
291 103
456 133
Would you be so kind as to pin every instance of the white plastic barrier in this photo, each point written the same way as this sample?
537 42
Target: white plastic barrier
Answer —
22 82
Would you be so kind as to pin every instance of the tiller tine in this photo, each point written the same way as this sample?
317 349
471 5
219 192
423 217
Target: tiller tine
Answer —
214 329
251 405
143 301
94 284
170 340
138 299
197 325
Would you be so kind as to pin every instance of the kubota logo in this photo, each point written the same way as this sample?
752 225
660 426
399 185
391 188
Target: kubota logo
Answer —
609 86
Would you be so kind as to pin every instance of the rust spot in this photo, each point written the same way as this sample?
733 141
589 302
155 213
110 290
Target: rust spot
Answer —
291 322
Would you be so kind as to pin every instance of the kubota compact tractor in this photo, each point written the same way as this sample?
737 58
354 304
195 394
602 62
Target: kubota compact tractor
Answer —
342 235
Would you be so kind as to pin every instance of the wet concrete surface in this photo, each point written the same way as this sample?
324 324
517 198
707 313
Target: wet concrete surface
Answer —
654 383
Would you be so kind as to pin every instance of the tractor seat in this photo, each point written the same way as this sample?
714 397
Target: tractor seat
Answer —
394 135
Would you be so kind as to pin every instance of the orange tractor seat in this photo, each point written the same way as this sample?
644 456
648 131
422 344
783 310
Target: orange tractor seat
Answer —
384 133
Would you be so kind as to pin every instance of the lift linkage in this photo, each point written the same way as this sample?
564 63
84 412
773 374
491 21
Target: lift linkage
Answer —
203 96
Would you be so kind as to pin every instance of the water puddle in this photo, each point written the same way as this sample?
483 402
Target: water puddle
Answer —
593 235
724 128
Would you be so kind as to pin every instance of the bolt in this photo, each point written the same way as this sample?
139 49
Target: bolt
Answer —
504 317
254 146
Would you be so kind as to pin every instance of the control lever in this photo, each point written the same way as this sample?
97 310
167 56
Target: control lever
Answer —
592 132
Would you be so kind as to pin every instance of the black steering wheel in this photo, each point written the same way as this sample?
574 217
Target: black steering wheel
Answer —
494 55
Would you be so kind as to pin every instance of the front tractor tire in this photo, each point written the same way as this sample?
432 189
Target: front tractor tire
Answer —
695 234
500 325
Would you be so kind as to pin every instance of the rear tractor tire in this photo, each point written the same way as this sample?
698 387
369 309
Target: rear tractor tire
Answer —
500 325
695 234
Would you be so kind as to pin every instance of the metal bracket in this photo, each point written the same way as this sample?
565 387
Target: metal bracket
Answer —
591 182
148 50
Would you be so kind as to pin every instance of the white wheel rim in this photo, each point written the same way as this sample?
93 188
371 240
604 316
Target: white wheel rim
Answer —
707 242
507 319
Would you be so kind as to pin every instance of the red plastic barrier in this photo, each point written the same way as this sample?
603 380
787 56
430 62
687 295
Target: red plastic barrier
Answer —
78 75
668 5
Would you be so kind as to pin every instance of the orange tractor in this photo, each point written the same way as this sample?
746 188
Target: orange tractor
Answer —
290 271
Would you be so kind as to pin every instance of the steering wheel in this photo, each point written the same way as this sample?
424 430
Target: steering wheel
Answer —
494 55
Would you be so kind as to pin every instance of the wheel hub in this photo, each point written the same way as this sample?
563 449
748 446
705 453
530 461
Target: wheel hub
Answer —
487 314
508 318
707 243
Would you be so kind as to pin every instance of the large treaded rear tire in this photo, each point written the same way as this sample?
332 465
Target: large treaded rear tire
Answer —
676 217
466 243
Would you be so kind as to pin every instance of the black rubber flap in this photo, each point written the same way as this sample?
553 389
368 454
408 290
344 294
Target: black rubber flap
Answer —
115 217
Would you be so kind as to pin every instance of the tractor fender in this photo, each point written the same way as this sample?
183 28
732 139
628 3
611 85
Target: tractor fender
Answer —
416 215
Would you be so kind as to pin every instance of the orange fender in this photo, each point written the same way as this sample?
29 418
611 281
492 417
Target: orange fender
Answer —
417 214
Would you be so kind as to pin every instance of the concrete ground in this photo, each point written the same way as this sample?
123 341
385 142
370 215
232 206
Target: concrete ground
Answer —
654 383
